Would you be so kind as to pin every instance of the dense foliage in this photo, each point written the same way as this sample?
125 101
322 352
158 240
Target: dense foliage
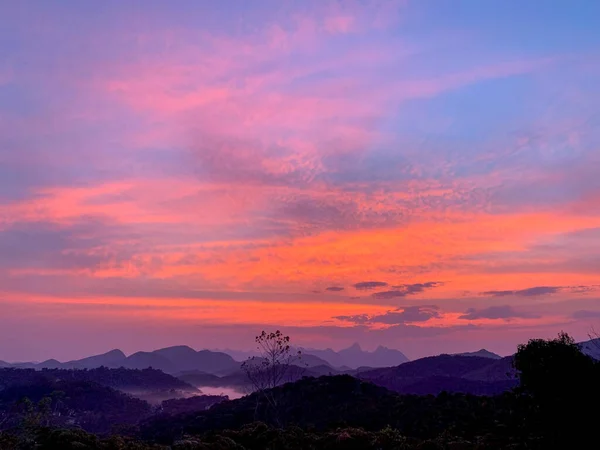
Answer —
197 403
64 402
83 398
327 403
259 436
564 386
122 379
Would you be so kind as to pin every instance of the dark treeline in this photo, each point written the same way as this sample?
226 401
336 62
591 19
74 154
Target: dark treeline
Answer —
122 379
554 406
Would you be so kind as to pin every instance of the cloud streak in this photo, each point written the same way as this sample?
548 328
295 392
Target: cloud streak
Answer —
540 291
405 290
402 315
504 312
368 285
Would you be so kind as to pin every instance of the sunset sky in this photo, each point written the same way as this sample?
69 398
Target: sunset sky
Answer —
423 175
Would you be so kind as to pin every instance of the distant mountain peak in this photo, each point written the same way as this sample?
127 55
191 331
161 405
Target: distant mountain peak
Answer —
381 348
591 348
178 347
51 361
482 353
354 357
355 347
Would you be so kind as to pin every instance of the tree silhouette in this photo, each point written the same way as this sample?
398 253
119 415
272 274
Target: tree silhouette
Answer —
276 364
562 383
552 368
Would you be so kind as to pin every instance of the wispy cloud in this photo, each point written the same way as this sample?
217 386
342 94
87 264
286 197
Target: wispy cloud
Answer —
368 285
529 292
504 312
585 314
541 290
334 288
402 315
404 290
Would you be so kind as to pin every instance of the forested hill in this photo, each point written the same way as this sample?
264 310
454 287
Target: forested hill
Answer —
122 379
54 402
329 402
451 373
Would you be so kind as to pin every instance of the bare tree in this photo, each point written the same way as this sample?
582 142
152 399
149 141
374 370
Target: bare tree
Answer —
276 361
276 364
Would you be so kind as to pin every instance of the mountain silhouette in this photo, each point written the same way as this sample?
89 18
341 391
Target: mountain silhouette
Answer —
499 370
143 360
184 358
452 373
50 364
108 359
591 348
354 357
310 360
169 360
483 353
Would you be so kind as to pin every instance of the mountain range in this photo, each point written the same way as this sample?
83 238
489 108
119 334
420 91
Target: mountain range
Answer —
452 373
169 360
182 358
354 357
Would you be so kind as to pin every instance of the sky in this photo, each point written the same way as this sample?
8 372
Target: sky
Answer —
421 175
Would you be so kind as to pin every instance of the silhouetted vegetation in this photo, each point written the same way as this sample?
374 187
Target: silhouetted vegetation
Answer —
122 379
276 364
563 385
327 403
553 407
176 406
83 404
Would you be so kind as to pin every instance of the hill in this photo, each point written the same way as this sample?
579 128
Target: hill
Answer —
184 358
191 404
84 404
239 379
591 348
329 403
432 375
435 374
109 359
143 360
499 370
483 353
127 380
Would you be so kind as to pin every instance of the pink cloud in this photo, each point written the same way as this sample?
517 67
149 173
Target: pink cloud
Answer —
340 24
